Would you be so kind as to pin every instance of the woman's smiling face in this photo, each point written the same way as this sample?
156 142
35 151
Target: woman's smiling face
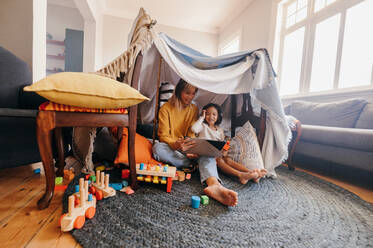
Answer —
187 95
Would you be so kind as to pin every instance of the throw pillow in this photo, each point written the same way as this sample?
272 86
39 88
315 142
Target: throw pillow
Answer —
143 150
244 148
86 90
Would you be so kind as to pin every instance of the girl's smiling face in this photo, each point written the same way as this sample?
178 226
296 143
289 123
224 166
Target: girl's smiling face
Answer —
187 95
211 116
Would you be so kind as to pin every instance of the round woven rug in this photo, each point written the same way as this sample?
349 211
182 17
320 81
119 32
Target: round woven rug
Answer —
295 210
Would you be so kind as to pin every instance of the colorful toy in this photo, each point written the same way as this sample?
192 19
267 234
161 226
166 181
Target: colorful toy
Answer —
124 183
204 199
226 146
92 178
128 190
60 187
100 168
195 201
116 186
102 184
125 173
75 217
156 174
181 175
188 176
37 171
68 174
58 180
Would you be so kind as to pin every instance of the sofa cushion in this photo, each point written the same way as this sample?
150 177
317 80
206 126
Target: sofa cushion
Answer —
353 138
338 155
86 90
365 119
333 114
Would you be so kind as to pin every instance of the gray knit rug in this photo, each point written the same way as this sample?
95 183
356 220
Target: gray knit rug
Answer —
295 210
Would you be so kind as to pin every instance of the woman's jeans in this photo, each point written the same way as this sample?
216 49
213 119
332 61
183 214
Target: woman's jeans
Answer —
207 165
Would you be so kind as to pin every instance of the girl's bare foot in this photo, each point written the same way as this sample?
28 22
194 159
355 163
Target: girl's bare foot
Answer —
244 177
225 196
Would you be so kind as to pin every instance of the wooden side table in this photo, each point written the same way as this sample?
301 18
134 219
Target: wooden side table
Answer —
48 121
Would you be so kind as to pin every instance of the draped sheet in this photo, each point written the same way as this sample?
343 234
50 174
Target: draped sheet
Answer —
216 77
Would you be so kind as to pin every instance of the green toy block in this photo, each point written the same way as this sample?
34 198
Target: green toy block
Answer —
204 199
92 178
58 180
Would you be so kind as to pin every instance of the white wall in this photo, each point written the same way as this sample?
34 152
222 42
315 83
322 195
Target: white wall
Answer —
16 28
115 36
59 18
254 23
38 39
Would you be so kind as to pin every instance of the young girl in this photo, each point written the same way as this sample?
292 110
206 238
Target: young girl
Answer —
207 127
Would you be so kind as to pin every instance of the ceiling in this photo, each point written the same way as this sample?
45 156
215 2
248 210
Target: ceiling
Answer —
199 15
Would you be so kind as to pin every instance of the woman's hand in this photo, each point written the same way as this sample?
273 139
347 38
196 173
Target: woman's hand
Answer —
184 144
191 155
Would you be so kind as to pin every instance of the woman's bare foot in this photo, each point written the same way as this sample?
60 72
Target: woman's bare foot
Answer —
225 196
244 177
261 173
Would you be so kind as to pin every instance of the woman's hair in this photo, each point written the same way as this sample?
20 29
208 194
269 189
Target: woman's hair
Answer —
180 87
220 113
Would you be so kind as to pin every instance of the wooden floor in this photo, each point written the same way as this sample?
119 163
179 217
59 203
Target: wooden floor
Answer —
22 224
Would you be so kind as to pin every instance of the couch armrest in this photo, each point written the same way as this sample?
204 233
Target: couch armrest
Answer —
10 112
29 99
354 138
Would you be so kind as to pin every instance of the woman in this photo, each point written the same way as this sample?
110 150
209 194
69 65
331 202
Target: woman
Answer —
175 120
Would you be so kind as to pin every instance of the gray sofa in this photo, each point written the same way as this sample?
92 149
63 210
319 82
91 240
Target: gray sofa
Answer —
336 139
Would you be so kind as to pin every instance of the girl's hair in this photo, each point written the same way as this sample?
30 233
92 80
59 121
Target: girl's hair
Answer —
220 113
176 96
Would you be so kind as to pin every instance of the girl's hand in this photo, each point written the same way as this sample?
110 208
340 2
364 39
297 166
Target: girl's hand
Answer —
204 113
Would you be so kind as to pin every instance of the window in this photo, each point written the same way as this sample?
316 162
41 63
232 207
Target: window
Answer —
324 45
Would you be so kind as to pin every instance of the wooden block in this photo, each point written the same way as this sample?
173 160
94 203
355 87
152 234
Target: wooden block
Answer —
100 168
181 175
204 199
125 173
60 187
58 180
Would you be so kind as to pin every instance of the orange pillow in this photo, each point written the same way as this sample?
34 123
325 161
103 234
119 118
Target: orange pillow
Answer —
143 150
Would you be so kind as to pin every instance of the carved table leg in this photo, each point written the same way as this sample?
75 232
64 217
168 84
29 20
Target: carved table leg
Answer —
60 151
44 123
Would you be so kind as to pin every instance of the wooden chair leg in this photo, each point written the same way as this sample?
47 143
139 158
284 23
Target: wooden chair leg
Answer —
43 135
131 146
60 151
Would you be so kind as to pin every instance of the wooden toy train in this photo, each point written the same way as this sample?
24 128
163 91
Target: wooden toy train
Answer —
82 204
158 174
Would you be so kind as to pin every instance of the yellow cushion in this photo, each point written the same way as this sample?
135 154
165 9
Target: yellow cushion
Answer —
86 90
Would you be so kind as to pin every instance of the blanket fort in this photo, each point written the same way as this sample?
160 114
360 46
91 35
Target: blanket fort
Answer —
216 77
